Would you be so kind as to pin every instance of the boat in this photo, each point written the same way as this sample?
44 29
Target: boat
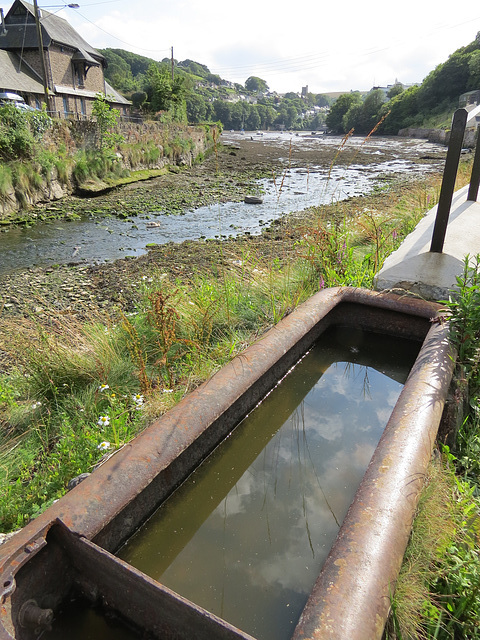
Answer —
253 200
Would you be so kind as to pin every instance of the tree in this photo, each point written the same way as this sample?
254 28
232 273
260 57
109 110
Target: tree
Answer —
214 79
166 94
222 111
334 120
403 111
196 108
195 68
321 100
138 99
107 120
267 115
396 90
446 82
253 83
254 120
474 71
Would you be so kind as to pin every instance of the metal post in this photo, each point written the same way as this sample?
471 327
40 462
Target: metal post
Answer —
448 182
475 177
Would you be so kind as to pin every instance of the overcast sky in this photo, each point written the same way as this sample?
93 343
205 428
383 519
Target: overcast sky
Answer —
327 45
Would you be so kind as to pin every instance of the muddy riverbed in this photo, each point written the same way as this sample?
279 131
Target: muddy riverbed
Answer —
242 165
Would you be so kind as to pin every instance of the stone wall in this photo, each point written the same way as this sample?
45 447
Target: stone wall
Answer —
438 136
185 144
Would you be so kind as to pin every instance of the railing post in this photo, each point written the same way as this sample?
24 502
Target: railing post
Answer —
448 181
475 177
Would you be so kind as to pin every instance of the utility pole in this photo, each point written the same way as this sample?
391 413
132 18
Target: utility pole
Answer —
42 54
172 64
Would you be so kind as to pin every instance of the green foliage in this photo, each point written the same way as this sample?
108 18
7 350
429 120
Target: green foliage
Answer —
126 70
464 322
97 164
138 99
21 131
195 68
339 109
437 593
16 136
403 111
197 108
446 82
107 121
166 94
255 84
6 182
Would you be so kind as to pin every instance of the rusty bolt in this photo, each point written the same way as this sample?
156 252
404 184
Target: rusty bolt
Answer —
32 616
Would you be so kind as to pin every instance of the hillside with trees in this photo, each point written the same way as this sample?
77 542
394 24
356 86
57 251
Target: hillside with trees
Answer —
188 92
196 95
429 104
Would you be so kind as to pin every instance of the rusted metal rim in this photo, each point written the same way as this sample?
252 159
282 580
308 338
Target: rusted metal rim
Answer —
110 504
351 598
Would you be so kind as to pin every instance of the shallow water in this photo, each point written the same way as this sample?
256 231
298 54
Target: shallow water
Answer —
246 535
98 239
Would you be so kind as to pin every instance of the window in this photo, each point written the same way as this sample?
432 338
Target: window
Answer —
79 73
65 106
83 108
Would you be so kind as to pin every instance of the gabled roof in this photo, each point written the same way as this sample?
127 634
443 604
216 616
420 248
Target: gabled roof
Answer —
22 32
16 76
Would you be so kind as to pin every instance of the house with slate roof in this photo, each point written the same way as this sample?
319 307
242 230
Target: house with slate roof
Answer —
74 69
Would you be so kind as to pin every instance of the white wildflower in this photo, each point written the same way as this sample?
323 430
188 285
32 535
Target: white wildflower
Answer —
138 399
103 387
104 446
103 421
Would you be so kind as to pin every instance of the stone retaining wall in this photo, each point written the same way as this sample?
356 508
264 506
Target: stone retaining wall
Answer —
184 145
439 136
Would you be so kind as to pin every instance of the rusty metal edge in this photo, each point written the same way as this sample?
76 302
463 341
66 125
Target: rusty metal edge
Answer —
351 598
93 504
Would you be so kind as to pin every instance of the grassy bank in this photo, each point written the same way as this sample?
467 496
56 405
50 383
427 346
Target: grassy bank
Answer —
438 590
80 389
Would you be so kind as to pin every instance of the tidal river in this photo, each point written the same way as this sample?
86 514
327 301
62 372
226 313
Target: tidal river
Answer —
316 171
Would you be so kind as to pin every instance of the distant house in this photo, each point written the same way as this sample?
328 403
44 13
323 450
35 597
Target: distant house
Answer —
74 69
469 99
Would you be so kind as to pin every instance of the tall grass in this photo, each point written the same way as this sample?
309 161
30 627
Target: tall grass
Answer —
438 592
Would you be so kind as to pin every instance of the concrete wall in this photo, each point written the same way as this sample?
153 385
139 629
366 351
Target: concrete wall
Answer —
439 136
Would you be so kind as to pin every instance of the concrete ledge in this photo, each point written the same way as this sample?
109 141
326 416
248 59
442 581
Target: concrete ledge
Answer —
412 267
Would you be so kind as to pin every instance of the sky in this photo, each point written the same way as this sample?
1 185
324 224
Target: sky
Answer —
322 45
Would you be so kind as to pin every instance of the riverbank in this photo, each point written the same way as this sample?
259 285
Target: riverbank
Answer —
105 290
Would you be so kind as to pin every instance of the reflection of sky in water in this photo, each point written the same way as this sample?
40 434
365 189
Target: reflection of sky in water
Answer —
246 536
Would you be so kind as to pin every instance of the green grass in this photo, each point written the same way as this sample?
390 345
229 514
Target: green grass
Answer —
438 591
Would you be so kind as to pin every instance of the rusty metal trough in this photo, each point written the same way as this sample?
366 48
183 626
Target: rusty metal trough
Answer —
68 550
